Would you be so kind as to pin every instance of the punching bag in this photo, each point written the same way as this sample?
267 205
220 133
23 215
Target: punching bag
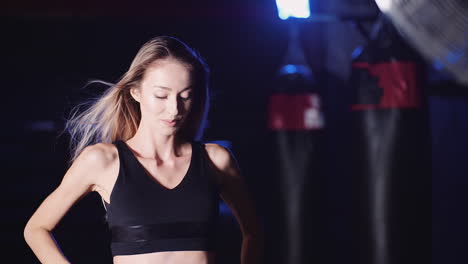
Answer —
295 124
391 152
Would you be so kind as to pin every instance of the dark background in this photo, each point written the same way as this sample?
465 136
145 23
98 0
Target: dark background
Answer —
50 51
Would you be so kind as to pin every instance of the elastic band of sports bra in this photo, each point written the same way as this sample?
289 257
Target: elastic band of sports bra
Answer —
142 233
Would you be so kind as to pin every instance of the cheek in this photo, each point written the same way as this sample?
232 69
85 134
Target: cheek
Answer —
188 105
151 104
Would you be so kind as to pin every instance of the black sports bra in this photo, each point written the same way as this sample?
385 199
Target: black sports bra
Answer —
144 216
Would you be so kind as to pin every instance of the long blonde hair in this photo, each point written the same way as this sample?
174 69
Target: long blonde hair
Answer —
115 115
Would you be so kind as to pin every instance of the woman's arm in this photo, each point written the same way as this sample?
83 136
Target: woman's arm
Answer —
77 182
234 192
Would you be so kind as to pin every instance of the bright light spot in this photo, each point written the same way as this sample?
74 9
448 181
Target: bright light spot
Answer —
384 5
295 69
290 69
293 8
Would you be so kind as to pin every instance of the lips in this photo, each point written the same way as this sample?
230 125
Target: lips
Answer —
171 122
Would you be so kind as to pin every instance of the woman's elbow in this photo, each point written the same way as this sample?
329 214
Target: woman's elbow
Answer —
30 231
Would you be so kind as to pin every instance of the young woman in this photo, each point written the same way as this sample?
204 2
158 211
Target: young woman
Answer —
138 147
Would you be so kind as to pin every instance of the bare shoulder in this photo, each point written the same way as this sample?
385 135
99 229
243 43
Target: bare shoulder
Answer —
220 156
224 164
100 155
93 162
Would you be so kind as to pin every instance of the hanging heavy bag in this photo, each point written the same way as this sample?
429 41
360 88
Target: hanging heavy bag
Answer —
392 157
295 123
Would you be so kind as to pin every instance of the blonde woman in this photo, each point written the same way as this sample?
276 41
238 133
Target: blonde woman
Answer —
139 147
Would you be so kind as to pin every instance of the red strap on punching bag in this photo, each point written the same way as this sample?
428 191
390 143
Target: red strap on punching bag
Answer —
398 81
295 112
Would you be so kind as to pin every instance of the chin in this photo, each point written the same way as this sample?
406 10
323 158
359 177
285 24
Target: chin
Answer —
169 131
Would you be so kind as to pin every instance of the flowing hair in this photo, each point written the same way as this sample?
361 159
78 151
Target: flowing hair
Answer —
115 115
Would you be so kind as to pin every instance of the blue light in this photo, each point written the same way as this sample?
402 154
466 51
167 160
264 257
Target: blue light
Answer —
438 65
224 208
295 69
454 56
290 69
293 8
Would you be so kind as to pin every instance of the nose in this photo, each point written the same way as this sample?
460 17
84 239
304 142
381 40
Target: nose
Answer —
174 107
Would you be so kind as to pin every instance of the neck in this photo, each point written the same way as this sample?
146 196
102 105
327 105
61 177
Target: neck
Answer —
152 145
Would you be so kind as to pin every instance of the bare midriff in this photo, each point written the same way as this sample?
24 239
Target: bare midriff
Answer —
168 257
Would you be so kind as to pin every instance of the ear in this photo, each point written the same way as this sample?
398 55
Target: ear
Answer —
135 93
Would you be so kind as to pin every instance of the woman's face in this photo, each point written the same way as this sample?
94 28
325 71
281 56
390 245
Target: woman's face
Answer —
165 95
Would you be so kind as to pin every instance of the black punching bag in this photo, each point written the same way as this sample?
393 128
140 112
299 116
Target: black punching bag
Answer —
391 152
295 122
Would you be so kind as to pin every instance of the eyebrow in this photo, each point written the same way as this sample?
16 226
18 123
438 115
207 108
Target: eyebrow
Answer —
170 89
